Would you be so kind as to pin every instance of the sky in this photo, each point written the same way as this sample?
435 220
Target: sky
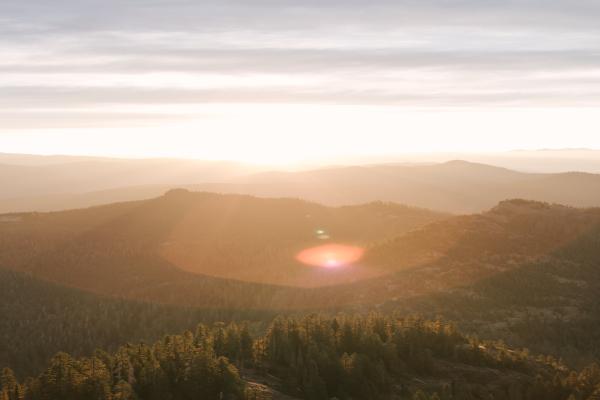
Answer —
280 81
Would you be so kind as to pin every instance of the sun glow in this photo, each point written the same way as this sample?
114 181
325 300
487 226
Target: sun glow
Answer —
290 134
331 255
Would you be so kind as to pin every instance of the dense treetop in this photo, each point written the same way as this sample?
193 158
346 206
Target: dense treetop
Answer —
346 357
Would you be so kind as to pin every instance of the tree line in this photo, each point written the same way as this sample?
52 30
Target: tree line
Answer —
315 358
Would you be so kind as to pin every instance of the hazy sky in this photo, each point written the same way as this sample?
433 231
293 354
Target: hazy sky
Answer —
279 81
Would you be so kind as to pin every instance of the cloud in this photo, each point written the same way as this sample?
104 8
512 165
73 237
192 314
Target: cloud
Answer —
12 120
277 15
301 61
69 54
47 98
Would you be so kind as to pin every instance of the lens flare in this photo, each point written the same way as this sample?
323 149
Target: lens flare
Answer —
330 255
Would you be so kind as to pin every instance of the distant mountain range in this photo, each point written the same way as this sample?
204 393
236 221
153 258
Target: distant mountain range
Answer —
455 186
30 177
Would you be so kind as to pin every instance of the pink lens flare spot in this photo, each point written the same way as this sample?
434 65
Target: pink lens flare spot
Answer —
331 255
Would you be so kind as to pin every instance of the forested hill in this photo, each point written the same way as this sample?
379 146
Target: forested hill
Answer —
314 358
549 305
39 319
525 272
224 251
196 248
464 250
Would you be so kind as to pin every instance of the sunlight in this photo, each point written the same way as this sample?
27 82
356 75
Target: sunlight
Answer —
330 255
284 135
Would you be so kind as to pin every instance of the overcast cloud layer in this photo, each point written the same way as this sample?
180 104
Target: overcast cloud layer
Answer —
87 63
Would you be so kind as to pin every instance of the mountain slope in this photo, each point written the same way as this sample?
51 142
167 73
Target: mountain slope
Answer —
219 250
40 319
466 249
194 248
548 305
229 251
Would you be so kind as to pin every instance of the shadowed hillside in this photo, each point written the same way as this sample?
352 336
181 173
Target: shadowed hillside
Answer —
549 305
39 319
